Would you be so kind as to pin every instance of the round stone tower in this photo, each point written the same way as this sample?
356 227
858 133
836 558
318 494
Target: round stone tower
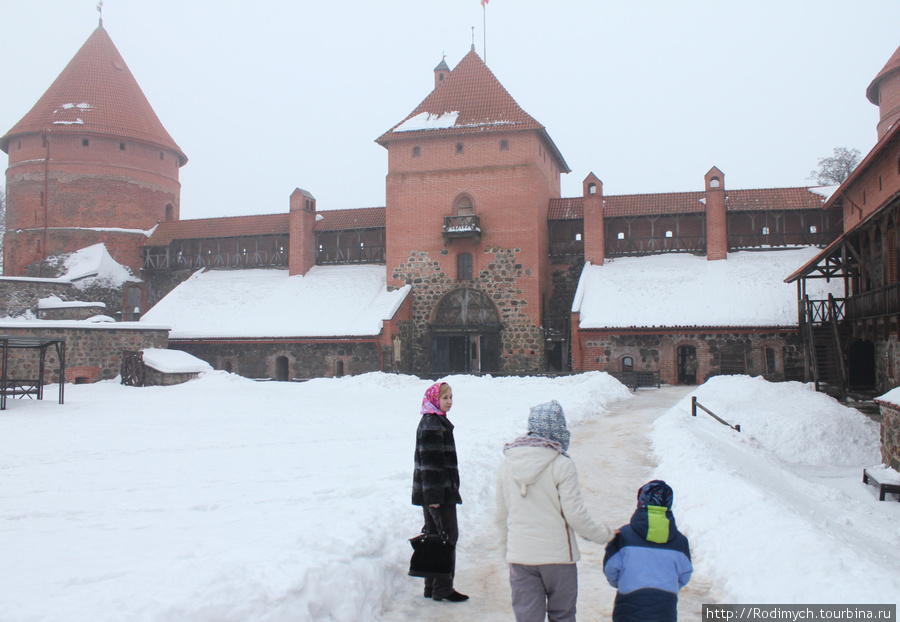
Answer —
89 163
884 92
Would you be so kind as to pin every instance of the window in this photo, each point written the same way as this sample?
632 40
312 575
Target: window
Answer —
714 182
592 188
771 366
464 207
668 234
880 184
578 237
162 156
170 212
627 363
864 197
42 198
417 151
121 146
464 266
620 236
812 229
85 142
459 147
765 231
504 145
19 145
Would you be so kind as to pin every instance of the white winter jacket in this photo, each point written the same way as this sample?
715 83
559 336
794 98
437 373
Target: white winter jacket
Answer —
539 507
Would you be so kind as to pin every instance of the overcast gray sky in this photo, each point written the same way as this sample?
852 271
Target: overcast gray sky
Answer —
271 95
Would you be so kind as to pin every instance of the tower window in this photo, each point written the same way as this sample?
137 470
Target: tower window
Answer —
19 145
464 266
417 151
592 188
162 156
880 184
459 147
170 212
504 145
85 142
121 146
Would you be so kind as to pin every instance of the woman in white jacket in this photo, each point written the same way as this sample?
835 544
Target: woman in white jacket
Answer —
539 511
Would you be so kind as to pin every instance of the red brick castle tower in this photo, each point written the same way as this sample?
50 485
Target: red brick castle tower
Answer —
470 178
89 160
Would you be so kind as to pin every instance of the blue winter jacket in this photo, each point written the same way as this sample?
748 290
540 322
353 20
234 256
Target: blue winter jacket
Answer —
648 561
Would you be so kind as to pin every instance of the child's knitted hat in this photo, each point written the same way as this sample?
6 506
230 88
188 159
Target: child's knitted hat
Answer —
656 493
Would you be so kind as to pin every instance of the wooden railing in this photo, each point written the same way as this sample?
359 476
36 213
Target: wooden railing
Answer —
695 405
875 303
468 226
350 253
645 245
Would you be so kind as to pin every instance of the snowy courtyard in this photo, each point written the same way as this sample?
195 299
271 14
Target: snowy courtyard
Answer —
225 499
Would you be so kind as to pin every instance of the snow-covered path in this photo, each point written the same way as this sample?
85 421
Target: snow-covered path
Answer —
613 457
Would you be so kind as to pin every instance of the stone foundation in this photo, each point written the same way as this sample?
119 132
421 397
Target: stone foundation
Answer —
890 435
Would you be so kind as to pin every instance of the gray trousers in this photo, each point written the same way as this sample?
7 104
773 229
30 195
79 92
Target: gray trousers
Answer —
545 591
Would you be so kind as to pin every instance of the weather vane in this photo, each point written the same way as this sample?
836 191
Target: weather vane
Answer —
100 11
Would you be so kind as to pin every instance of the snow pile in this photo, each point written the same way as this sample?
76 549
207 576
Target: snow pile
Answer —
777 513
94 265
679 289
224 499
174 361
329 301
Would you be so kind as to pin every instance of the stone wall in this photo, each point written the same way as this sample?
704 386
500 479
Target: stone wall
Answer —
310 359
522 341
93 352
17 296
658 350
890 435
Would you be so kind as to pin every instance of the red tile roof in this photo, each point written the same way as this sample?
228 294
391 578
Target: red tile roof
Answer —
763 199
892 65
360 218
483 104
226 227
96 94
263 224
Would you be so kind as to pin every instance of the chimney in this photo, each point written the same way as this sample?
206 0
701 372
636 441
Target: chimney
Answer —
716 220
594 237
441 72
302 244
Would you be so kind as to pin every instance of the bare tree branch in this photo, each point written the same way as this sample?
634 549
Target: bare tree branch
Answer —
834 170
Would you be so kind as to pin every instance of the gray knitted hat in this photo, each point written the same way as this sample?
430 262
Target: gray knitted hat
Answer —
549 421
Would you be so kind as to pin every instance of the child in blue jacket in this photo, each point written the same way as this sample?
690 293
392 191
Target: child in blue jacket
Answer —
648 560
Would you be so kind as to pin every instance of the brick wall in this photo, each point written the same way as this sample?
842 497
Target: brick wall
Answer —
93 352
657 351
307 359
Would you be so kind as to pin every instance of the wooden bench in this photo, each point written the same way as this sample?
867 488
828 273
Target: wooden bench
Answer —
883 488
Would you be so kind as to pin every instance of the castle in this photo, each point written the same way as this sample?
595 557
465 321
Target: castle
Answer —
476 263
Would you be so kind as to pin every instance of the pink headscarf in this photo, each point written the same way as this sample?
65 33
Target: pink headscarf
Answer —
431 403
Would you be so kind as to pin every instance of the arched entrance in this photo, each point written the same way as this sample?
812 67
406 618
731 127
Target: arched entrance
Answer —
465 334
861 364
687 365
281 369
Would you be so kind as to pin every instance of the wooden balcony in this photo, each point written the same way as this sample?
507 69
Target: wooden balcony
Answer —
875 303
456 227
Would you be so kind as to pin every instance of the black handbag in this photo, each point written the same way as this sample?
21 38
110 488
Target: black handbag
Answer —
432 556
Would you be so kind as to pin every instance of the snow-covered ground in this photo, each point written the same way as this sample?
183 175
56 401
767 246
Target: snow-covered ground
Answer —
225 499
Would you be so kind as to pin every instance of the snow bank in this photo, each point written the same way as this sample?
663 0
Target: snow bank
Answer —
226 500
329 301
777 513
679 289
174 361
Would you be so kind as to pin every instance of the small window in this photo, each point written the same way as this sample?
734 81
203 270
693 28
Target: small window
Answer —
765 231
121 146
592 188
42 198
459 147
578 237
85 142
19 145
880 184
464 266
627 363
714 182
812 229
417 151
771 364
864 197
170 212
464 207
44 144
504 145
162 156
668 234
620 236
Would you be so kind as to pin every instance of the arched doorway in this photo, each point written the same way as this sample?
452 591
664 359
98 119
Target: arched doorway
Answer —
465 333
861 364
687 365
281 369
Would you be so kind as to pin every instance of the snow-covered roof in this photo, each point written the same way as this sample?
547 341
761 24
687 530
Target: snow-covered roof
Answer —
55 302
174 361
329 301
95 263
670 290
